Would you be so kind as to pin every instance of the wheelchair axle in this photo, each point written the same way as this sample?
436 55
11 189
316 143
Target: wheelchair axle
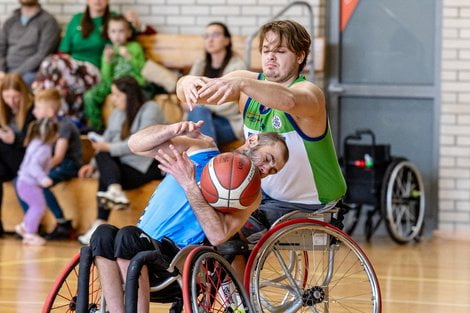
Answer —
313 296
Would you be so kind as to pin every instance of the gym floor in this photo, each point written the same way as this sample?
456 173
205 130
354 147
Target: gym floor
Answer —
431 276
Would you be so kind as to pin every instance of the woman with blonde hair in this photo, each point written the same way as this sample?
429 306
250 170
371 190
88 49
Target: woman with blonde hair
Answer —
16 106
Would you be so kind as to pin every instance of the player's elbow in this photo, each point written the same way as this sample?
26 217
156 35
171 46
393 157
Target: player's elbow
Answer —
219 236
216 239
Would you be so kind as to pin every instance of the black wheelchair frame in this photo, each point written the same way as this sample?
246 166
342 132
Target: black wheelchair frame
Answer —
392 186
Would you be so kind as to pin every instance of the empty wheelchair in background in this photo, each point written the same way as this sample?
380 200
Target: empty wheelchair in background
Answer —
302 264
392 186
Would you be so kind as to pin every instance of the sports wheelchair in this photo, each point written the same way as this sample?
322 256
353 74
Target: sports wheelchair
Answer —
302 264
392 186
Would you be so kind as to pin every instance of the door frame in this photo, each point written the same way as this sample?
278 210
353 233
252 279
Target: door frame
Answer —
335 90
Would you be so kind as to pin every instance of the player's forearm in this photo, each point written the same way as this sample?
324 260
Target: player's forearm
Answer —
272 95
212 222
148 140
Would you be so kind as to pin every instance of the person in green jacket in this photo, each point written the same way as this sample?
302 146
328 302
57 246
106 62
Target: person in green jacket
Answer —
76 67
121 58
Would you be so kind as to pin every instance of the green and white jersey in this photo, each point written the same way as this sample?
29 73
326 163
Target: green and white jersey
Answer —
312 175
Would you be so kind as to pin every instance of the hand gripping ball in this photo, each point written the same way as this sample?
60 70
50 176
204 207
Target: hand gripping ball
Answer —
230 182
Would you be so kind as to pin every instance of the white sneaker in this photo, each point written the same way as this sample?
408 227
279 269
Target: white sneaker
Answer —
20 230
113 198
85 238
33 240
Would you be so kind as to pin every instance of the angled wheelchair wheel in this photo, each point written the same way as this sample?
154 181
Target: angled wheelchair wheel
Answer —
210 285
403 201
63 295
305 265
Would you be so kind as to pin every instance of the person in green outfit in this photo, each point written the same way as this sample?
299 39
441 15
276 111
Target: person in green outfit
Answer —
121 58
76 68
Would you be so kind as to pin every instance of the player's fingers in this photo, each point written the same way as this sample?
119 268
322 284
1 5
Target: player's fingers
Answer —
163 157
164 168
205 91
175 152
195 134
199 123
223 99
208 88
216 96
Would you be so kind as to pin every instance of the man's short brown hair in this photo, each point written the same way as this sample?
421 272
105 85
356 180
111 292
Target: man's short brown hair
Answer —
294 35
271 138
52 96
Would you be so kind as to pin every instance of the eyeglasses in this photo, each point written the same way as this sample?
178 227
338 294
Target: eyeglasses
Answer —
215 35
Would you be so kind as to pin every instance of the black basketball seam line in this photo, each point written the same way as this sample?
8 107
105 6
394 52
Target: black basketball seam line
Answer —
230 182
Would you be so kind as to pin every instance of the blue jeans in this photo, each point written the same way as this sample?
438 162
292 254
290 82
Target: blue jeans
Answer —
215 126
66 170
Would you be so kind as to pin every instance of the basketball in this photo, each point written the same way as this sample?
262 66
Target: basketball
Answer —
230 182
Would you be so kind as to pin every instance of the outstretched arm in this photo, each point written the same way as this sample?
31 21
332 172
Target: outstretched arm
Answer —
218 227
185 136
302 99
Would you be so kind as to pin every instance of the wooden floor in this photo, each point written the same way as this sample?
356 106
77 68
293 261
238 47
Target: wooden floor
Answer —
432 276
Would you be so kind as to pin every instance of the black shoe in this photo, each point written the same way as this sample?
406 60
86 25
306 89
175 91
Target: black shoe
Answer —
177 306
62 231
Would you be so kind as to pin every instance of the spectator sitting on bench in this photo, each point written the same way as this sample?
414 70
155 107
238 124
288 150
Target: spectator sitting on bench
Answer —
223 122
119 168
26 38
16 113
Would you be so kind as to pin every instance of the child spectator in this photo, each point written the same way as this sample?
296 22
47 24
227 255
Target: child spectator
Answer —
32 177
122 58
66 160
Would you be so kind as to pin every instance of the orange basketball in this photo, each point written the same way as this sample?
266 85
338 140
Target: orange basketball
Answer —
230 182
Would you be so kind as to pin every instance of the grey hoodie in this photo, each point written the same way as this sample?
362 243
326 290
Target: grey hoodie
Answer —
22 48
